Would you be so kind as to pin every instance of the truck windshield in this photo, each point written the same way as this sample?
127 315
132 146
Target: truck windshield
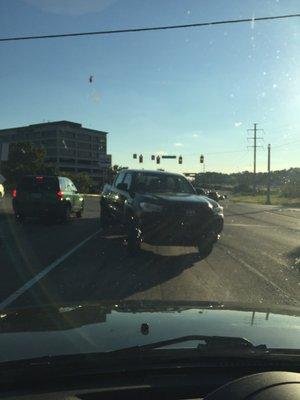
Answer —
160 183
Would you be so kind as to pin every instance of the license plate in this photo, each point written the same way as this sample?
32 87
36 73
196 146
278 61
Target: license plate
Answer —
190 213
36 196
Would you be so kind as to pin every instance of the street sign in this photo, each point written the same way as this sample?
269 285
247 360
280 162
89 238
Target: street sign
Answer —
4 150
168 157
105 160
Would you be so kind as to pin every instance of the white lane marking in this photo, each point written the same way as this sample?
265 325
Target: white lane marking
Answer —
263 277
44 272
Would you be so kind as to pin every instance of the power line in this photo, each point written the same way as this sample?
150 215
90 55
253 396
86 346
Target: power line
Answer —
153 28
217 152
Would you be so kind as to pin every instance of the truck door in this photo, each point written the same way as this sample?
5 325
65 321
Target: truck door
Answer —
115 197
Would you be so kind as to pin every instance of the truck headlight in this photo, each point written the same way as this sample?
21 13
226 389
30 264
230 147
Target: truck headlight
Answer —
150 207
215 207
218 210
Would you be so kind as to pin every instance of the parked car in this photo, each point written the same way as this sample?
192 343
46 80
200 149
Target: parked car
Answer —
160 208
46 196
201 191
2 192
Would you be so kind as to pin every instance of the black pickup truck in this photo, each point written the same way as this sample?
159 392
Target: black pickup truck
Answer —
160 208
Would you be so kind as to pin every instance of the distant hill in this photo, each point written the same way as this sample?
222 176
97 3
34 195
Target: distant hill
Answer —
279 178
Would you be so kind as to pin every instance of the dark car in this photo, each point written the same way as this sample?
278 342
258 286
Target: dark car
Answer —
46 196
201 191
161 208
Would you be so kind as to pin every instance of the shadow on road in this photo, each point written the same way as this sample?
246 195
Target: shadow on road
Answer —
104 271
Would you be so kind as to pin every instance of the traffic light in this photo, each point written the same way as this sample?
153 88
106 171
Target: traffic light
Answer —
201 159
140 159
180 160
157 160
152 157
135 156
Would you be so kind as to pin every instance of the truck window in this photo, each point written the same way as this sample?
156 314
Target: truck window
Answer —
128 180
119 179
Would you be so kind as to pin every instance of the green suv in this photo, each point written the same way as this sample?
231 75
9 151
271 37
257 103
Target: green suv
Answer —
46 196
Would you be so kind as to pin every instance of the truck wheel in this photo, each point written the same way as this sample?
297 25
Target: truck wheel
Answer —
205 249
133 239
20 218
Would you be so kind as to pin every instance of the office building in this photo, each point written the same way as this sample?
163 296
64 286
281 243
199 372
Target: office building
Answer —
69 146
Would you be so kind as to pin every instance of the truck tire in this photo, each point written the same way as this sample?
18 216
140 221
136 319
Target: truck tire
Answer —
20 218
205 248
134 240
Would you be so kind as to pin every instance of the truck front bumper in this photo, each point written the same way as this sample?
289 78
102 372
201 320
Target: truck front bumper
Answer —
181 231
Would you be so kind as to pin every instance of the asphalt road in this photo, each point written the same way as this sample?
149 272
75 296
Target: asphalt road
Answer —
257 261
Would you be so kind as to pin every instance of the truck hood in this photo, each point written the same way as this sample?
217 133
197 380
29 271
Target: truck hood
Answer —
178 198
72 329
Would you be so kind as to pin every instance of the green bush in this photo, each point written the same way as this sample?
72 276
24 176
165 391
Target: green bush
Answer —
291 190
242 188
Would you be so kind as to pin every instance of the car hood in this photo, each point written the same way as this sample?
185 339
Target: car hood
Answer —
72 329
178 198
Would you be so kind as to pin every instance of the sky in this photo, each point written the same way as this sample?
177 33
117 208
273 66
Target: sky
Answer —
178 92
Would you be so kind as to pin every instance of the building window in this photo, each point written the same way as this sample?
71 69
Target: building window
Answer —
84 137
84 154
67 160
85 162
51 151
51 159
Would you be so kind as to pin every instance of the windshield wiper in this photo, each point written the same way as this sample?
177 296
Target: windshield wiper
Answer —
207 344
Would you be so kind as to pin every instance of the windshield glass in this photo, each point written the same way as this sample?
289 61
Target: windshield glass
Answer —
159 183
149 175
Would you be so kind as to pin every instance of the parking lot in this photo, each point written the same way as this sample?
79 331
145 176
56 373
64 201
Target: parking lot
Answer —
256 261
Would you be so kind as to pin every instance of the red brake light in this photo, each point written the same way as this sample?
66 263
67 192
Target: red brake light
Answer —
39 178
59 194
14 193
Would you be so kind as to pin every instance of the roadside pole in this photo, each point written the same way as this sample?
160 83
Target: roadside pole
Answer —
268 201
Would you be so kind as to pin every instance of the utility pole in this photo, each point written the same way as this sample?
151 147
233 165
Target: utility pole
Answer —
269 175
255 146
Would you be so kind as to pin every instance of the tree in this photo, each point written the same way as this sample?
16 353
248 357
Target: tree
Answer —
25 159
113 171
